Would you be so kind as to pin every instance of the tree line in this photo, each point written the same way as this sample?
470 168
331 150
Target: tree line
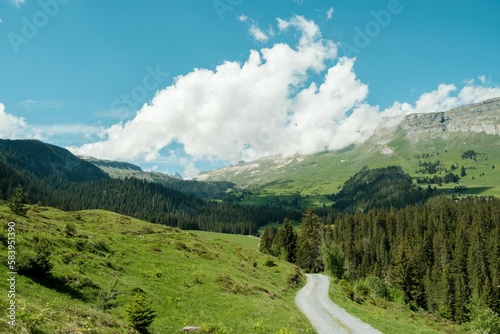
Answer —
444 255
149 201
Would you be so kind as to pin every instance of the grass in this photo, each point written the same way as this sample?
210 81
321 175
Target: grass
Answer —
392 317
246 241
192 279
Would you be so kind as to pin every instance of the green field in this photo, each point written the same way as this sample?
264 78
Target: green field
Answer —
246 241
192 279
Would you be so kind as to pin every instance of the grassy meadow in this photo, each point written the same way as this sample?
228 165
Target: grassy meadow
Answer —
102 259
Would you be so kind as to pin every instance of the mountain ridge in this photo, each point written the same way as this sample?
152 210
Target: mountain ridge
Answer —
447 133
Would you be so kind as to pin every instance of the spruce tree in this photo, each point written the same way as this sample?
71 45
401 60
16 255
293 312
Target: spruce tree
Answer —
289 241
309 245
17 202
140 313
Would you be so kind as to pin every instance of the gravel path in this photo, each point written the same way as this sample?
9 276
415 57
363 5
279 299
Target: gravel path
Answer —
325 316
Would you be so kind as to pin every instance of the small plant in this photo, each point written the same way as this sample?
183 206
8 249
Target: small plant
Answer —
70 230
214 329
269 263
140 313
107 299
30 320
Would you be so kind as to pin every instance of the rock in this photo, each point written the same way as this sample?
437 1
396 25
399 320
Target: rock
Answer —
190 329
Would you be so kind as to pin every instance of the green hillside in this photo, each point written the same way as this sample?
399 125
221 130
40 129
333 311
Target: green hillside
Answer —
101 259
222 190
317 175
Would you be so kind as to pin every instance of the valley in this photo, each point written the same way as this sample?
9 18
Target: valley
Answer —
228 252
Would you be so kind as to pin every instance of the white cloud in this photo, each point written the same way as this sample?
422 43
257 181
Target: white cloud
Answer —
310 30
482 78
190 171
257 33
17 3
1 21
32 104
11 127
329 13
266 105
82 130
243 18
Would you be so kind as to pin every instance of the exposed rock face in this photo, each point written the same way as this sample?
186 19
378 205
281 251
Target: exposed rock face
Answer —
479 117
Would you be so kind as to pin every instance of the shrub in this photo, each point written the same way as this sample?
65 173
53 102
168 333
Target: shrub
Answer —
70 230
140 313
484 320
347 289
295 279
377 287
269 263
38 265
361 291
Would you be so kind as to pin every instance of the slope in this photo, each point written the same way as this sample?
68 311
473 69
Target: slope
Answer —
44 160
101 259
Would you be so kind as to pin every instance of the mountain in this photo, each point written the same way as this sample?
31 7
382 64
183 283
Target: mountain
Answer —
43 159
208 189
408 142
54 177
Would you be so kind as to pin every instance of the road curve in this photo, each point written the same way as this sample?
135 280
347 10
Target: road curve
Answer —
325 316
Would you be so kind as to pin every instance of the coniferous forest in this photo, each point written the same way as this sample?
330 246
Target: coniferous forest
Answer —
54 177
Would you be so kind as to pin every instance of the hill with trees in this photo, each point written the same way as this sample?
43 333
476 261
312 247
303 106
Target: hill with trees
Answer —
64 188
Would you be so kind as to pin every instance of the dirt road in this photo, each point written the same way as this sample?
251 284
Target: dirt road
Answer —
326 316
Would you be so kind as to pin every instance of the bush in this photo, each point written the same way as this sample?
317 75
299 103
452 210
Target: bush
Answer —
484 320
37 265
140 313
378 288
295 279
347 289
70 230
361 291
269 263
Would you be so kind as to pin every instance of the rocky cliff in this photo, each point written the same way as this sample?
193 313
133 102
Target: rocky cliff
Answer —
478 117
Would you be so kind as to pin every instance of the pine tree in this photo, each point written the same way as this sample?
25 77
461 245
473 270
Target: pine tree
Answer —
463 172
289 241
17 202
140 313
309 245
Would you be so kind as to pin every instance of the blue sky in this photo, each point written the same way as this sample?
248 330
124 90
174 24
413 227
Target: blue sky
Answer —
118 79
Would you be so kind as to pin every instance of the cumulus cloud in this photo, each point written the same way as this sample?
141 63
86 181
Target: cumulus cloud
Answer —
243 18
268 104
220 114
